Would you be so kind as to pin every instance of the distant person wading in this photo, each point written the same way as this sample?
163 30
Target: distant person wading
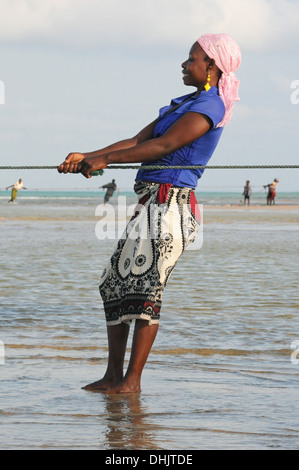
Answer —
15 188
111 187
247 193
271 192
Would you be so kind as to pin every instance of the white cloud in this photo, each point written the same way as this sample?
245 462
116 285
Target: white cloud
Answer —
58 100
258 24
23 17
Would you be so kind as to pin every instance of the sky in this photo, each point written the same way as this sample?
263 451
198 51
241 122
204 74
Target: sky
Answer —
78 75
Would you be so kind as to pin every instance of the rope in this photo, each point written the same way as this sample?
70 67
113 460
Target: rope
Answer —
94 173
208 167
162 167
28 167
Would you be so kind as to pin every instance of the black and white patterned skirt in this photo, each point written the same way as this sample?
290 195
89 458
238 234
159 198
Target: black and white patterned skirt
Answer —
165 222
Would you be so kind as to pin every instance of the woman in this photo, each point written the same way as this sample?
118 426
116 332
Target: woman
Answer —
185 133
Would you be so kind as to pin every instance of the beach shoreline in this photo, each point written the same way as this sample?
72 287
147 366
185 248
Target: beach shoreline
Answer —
276 207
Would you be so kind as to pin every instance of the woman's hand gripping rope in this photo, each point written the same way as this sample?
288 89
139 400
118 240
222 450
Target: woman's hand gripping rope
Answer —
79 163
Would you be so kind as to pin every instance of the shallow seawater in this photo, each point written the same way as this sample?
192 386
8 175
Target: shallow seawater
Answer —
223 372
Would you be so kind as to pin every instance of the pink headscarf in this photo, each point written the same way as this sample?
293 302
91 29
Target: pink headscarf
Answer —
227 55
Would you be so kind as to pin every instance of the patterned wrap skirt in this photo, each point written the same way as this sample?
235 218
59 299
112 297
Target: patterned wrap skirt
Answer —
165 222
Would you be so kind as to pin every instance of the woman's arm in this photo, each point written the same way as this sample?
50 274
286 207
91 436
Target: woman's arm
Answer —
71 162
142 136
184 131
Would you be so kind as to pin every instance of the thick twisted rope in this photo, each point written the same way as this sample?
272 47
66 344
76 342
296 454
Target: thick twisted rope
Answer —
162 167
205 167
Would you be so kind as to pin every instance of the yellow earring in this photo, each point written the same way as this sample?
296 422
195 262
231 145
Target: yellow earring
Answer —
207 86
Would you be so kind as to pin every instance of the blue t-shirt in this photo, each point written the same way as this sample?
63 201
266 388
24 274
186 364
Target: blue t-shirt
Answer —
197 152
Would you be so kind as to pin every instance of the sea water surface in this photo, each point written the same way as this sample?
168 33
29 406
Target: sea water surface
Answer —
224 370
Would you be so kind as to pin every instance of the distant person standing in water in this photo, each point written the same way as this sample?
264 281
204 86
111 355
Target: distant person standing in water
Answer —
111 187
247 193
271 192
15 188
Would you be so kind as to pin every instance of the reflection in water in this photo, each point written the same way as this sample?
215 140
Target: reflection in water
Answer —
126 423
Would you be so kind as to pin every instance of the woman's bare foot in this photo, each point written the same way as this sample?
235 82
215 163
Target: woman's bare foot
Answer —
124 386
103 385
113 381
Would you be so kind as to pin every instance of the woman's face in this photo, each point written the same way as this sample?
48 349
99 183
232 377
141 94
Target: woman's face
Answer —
195 69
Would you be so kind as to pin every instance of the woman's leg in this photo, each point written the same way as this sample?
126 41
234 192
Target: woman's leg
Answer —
143 339
117 342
